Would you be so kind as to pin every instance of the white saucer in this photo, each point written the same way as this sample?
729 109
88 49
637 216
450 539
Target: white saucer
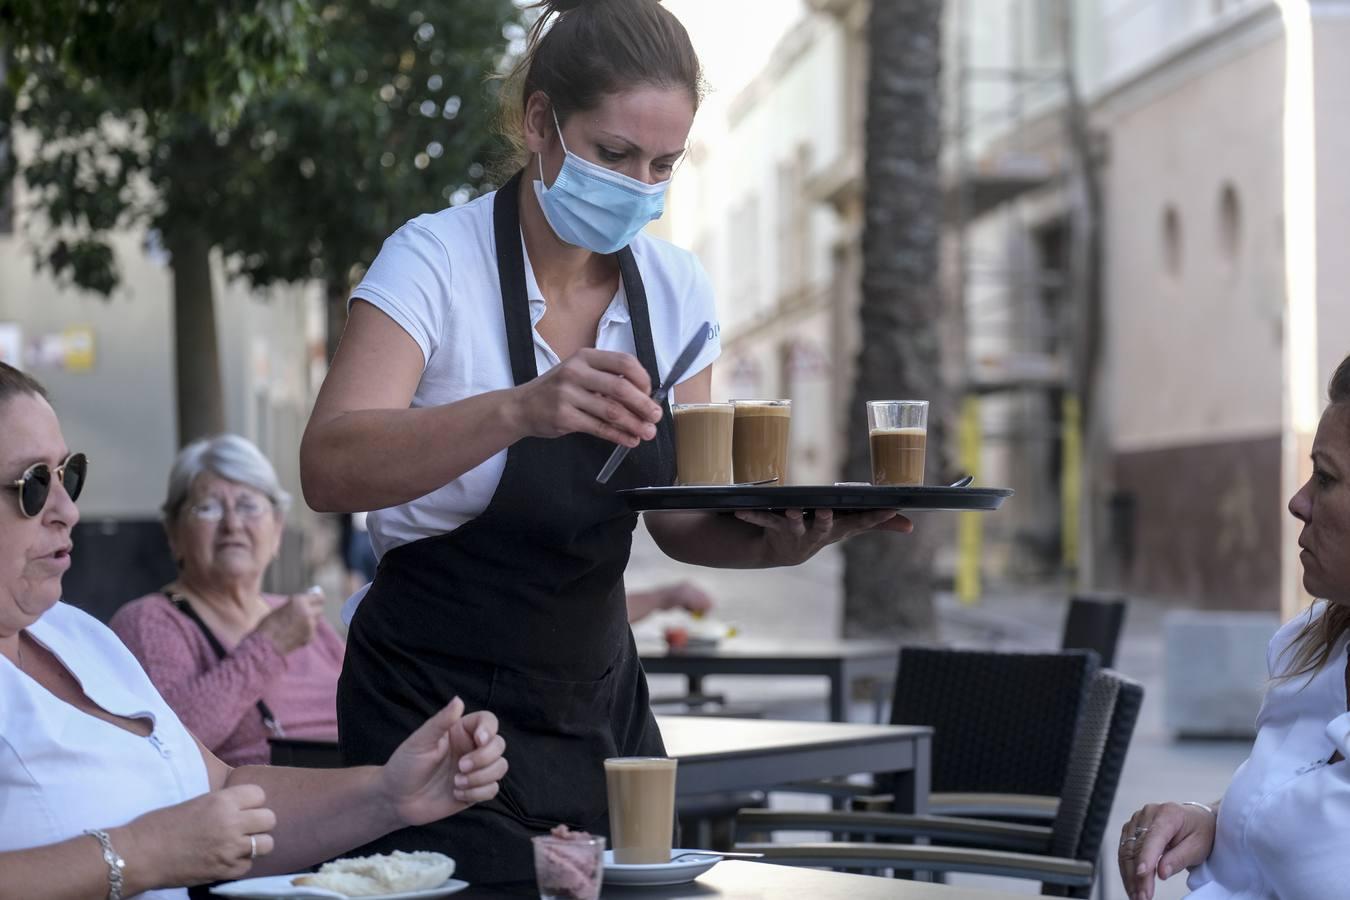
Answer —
653 874
279 887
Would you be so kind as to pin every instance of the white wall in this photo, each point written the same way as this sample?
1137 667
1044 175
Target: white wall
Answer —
725 202
1196 356
123 412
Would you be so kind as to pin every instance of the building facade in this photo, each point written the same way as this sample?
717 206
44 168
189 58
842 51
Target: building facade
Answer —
1213 137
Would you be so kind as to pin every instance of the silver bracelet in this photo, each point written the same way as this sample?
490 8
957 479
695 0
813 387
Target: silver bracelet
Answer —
1205 806
115 863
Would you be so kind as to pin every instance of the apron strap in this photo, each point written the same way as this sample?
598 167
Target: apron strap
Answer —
511 277
638 314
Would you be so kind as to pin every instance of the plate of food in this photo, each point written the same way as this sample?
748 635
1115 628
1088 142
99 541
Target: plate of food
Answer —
386 876
843 497
697 632
684 866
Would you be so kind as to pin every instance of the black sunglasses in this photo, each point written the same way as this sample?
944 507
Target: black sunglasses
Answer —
36 484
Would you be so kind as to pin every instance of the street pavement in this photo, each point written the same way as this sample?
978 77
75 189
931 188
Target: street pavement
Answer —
805 602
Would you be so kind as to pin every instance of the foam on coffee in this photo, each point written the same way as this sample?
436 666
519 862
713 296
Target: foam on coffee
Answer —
641 808
898 455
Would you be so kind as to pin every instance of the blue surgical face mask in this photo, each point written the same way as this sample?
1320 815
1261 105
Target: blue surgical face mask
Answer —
594 207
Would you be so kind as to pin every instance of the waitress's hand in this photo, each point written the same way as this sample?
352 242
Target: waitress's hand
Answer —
452 762
789 539
597 392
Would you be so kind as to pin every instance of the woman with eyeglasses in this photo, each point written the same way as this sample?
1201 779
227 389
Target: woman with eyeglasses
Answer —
103 791
236 664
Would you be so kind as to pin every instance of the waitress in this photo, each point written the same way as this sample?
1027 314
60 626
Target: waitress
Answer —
494 354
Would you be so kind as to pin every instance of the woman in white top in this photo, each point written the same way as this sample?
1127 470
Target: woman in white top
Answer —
494 354
103 792
1282 829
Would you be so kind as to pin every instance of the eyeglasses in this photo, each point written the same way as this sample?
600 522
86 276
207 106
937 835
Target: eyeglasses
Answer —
250 509
35 486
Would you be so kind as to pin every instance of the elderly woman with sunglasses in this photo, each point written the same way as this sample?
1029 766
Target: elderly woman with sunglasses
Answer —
103 792
237 665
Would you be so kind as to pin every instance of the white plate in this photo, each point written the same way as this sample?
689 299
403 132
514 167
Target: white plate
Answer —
653 874
277 887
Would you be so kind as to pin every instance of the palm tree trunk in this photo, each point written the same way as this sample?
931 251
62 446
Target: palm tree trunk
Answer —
201 396
888 580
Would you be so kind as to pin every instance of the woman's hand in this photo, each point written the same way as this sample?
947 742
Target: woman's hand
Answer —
1162 839
292 625
789 539
597 392
453 761
202 840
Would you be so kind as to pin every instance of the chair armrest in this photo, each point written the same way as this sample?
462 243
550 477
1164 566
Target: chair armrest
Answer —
942 829
914 858
994 806
839 788
980 806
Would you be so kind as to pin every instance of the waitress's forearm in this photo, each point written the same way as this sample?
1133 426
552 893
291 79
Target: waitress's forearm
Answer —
321 813
716 540
375 458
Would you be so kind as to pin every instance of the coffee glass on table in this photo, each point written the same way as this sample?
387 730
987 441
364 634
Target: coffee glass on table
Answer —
760 443
641 808
898 431
703 434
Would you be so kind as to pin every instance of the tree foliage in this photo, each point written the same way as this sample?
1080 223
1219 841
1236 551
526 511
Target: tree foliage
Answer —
294 155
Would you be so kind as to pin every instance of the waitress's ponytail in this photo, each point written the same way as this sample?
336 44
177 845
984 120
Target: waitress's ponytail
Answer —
580 51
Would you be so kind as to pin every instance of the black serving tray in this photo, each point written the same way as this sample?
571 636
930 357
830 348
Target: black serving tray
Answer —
842 497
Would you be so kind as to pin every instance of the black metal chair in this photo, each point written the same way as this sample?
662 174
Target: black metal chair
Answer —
1062 856
1003 725
1094 622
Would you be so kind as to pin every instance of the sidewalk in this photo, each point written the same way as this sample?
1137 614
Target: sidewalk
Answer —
804 602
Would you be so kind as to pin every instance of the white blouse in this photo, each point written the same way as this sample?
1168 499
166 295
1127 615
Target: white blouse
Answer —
1284 824
63 771
437 278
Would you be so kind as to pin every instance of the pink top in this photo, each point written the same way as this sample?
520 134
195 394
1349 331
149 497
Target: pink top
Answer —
218 699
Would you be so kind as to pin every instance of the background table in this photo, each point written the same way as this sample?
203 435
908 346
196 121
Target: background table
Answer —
737 880
843 662
725 755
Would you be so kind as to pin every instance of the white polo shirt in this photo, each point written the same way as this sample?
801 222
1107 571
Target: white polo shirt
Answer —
437 278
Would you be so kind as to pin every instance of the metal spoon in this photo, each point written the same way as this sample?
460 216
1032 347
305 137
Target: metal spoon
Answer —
723 855
755 483
962 482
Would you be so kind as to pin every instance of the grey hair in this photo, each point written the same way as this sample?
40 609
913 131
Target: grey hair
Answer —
227 456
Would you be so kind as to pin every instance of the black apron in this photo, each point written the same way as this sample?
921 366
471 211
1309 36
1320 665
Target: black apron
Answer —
520 611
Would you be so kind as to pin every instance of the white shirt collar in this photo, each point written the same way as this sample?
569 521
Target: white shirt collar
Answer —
615 314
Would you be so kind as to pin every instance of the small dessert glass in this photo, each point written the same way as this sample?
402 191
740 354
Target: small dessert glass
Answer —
570 868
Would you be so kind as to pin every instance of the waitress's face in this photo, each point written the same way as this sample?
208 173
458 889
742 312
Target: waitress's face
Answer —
34 552
640 133
1323 506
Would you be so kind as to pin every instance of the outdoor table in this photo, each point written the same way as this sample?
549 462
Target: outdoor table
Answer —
724 755
841 661
738 880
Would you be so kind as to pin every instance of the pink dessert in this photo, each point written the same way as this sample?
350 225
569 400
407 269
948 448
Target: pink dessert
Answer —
569 865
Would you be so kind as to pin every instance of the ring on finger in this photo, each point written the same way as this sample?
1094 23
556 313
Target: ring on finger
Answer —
252 846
